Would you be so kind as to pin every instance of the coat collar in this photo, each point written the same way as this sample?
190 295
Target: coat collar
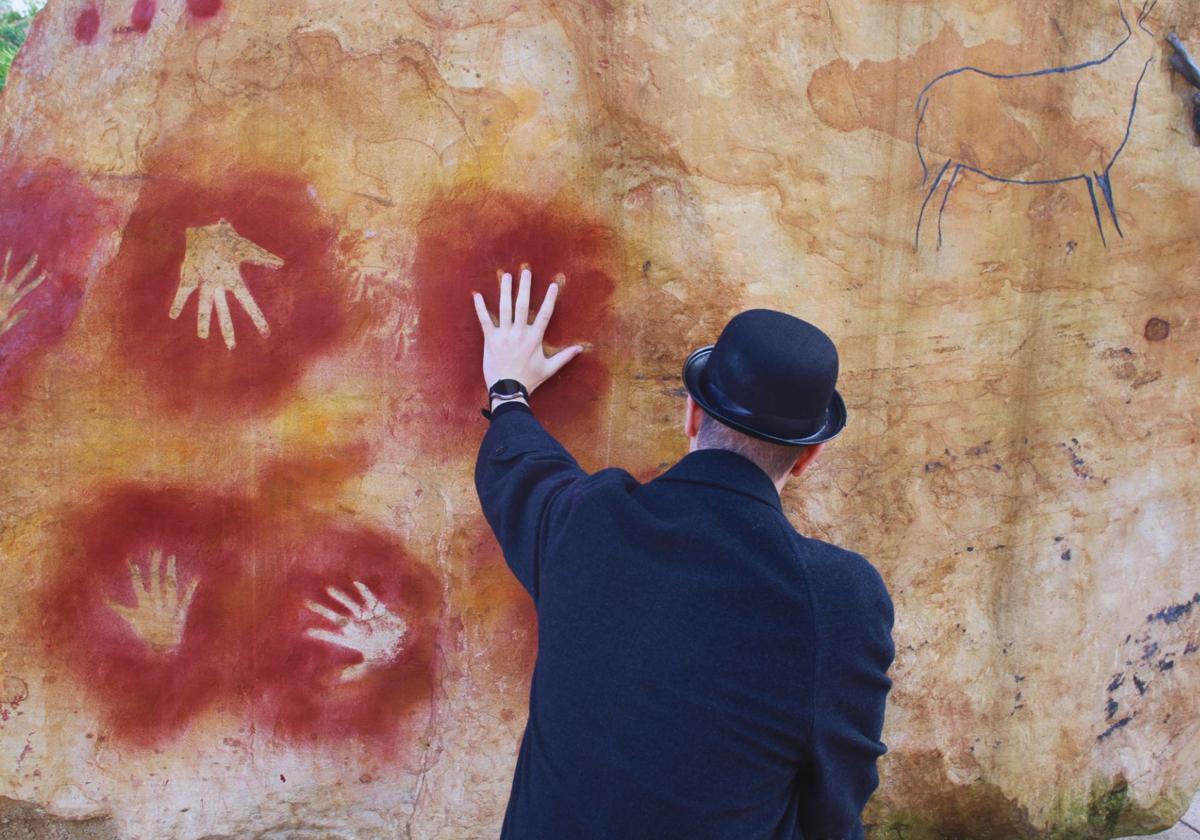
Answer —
728 471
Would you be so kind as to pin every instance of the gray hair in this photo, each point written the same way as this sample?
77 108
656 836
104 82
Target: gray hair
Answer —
773 458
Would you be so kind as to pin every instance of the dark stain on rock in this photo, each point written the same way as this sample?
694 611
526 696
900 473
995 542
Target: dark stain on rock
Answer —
1171 614
1157 329
1117 681
15 691
1166 664
934 466
1066 555
1114 727
23 819
1078 465
1141 686
1110 708
1146 378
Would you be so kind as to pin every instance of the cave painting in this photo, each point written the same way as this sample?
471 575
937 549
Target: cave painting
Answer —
13 289
371 630
142 15
159 612
203 8
212 263
87 24
168 602
51 224
1082 136
463 239
255 248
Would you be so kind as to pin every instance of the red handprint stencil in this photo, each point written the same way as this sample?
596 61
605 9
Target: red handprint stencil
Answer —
168 602
253 249
50 226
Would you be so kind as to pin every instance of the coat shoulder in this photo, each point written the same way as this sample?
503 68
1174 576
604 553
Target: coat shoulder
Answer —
845 574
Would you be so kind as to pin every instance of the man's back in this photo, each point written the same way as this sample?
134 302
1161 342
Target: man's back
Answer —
703 671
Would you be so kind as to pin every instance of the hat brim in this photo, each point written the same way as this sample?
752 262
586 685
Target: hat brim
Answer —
835 415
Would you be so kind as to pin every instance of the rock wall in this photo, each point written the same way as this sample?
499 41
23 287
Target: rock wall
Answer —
239 385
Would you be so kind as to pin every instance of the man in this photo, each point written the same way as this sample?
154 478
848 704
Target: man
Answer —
703 670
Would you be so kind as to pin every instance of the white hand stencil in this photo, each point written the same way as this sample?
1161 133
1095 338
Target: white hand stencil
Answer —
159 612
12 291
212 264
371 629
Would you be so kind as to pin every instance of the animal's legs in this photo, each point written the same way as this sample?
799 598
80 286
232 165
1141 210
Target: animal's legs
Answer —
953 177
1105 182
1095 207
928 195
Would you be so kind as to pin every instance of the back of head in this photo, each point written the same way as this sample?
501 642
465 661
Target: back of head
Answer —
772 458
767 390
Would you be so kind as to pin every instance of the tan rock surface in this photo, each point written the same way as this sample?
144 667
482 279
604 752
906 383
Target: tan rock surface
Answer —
1022 387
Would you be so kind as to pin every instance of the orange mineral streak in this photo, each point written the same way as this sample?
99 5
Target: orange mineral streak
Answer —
465 237
850 97
493 608
1040 126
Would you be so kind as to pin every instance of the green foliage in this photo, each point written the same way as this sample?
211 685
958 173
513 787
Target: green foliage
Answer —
14 26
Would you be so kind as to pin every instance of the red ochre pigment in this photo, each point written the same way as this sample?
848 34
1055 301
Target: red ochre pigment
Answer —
87 24
143 15
302 301
299 694
143 696
203 8
463 238
243 647
49 213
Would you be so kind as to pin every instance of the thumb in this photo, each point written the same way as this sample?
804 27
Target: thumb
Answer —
560 359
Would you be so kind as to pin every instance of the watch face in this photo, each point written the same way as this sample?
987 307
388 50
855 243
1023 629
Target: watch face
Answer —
507 388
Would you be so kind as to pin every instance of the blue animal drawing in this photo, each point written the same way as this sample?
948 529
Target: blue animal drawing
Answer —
1047 126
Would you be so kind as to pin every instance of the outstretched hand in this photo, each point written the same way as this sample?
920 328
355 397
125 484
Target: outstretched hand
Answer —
512 348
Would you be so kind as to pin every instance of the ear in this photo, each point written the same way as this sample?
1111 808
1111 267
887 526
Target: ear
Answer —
806 458
691 418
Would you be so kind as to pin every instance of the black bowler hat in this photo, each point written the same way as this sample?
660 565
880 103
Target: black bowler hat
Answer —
772 376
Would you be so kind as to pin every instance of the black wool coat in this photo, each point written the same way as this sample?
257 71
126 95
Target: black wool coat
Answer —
703 670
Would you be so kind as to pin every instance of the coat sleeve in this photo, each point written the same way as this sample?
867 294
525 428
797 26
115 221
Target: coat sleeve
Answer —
523 477
848 712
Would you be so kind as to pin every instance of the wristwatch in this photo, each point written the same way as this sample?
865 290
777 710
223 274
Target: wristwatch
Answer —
506 390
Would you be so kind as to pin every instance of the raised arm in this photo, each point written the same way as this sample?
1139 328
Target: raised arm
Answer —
522 473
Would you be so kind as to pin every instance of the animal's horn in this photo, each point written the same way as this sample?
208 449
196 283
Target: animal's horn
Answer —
1125 20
